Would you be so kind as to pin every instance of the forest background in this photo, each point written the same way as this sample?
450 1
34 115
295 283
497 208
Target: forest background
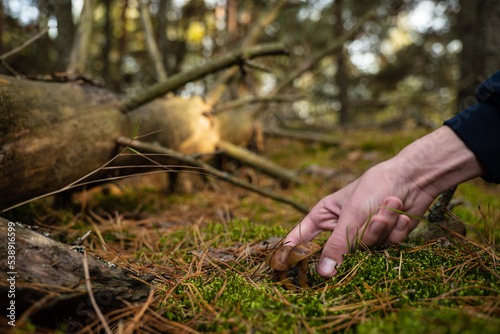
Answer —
408 66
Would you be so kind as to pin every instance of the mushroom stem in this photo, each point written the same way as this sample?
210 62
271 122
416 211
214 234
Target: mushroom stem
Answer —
287 282
302 273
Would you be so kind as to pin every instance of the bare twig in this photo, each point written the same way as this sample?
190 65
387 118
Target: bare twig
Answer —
137 317
253 100
81 239
24 45
91 295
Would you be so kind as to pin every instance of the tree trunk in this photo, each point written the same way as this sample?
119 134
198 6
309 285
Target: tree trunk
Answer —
54 134
80 51
65 31
52 274
153 51
108 33
341 77
163 44
232 21
478 29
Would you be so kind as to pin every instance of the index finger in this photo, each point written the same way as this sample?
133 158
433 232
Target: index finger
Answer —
323 217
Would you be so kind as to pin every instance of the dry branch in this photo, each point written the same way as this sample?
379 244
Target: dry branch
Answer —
250 117
24 45
251 38
332 48
176 81
303 136
152 148
261 163
251 100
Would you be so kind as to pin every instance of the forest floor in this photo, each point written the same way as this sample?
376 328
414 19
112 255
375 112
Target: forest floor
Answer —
210 279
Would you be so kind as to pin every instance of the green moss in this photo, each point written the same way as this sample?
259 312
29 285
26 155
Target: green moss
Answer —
128 201
243 231
228 300
430 320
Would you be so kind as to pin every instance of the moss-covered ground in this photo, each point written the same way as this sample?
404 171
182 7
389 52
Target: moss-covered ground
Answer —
438 286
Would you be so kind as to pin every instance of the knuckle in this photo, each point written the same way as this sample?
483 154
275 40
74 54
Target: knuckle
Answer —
337 243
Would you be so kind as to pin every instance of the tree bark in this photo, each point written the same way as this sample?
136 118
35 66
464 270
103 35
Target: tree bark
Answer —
51 273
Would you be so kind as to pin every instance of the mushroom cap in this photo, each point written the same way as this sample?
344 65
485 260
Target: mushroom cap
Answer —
279 260
302 251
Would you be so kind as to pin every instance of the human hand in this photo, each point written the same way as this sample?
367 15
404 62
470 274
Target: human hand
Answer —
408 182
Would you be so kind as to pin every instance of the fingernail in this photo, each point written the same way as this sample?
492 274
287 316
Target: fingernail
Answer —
401 225
327 266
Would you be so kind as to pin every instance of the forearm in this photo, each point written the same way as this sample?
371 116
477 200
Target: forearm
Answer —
438 161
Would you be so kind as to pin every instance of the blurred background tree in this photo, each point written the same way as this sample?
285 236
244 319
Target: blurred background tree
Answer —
413 64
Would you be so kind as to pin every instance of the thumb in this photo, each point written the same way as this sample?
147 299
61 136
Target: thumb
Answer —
340 242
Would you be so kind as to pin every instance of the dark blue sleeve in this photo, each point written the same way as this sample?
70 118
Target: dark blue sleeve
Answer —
479 126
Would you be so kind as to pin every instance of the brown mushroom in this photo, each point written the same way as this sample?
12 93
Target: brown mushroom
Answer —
300 254
279 262
287 256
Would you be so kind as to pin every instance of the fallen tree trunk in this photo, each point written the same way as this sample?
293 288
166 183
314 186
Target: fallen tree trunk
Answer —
54 134
48 278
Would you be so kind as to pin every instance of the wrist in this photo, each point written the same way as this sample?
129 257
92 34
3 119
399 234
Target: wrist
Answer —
437 162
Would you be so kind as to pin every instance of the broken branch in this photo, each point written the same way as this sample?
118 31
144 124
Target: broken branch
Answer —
175 81
143 146
24 45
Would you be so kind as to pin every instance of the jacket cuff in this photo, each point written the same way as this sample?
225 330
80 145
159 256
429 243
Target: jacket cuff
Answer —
479 127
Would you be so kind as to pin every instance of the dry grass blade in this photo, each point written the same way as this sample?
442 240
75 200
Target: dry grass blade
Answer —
91 295
137 317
